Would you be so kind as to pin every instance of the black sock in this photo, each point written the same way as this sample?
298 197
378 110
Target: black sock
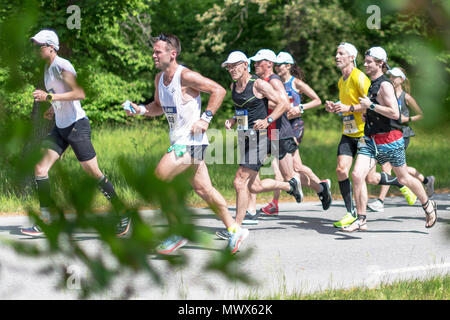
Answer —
107 188
43 190
425 180
346 192
388 180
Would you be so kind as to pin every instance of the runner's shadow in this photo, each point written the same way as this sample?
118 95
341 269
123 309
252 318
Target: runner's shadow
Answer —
13 230
320 225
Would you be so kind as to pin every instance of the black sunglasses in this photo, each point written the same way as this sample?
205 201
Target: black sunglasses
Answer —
164 38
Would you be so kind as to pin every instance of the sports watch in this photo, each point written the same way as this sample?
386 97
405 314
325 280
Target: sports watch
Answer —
207 116
372 107
269 120
49 97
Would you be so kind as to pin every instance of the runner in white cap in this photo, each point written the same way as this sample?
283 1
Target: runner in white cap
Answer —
383 141
405 102
280 132
177 95
292 77
72 128
251 97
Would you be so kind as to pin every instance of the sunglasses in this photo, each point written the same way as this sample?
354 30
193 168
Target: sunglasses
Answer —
164 38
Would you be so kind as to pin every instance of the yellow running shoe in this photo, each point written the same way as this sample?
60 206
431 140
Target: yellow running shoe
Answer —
348 219
409 195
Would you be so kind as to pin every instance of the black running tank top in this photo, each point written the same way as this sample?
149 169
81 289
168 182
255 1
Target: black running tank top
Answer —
375 122
248 108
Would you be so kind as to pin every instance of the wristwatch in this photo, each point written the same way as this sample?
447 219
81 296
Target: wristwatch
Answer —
269 120
301 108
207 116
49 97
372 107
352 108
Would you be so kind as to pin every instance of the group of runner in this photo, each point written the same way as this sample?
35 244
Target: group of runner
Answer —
268 110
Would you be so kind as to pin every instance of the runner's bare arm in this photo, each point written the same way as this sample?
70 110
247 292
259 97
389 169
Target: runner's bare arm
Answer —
303 87
279 101
388 106
77 93
196 81
153 109
412 103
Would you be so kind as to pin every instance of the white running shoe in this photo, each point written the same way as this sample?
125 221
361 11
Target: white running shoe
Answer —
376 206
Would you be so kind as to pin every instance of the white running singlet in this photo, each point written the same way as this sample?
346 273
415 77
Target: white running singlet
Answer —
66 112
180 114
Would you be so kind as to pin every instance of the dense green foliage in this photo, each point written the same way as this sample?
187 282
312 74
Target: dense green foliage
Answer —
112 49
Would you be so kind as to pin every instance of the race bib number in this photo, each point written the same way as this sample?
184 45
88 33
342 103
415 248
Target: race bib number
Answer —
349 124
242 119
171 115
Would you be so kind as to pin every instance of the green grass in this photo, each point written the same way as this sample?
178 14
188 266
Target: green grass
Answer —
435 288
146 143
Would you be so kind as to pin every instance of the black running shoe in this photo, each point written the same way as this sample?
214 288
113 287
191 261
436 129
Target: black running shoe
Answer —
325 195
295 190
123 226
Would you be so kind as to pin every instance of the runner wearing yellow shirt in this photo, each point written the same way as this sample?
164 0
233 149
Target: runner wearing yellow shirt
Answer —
352 85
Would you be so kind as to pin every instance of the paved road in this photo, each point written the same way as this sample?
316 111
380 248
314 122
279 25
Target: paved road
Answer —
299 252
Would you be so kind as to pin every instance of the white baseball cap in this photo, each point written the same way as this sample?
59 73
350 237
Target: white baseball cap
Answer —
264 54
48 37
377 53
396 72
235 56
284 57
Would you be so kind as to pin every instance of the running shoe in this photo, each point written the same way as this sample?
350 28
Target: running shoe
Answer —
325 195
250 219
223 234
295 191
348 219
409 195
33 231
429 186
376 206
234 242
171 244
123 226
271 210
358 225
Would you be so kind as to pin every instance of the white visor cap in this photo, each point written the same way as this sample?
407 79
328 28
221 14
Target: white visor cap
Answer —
396 72
351 49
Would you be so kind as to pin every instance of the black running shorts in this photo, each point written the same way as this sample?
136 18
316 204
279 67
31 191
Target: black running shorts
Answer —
284 146
348 146
77 135
253 148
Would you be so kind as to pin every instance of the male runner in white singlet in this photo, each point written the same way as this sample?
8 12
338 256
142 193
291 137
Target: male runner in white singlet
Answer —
178 97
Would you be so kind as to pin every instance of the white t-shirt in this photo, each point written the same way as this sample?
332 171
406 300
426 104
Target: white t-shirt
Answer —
180 114
66 112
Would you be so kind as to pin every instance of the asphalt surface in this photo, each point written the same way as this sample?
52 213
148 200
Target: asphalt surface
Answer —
301 252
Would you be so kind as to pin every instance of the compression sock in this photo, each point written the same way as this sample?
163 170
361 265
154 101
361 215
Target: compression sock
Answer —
388 180
107 188
345 187
43 190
